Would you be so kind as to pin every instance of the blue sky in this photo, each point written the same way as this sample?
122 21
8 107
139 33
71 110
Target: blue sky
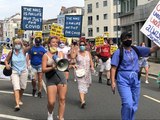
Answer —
51 8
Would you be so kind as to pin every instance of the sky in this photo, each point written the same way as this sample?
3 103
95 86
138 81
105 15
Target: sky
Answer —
51 8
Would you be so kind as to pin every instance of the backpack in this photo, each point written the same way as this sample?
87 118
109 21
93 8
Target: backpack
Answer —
121 58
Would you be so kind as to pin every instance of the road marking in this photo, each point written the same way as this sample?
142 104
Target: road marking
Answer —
158 101
13 117
9 92
150 77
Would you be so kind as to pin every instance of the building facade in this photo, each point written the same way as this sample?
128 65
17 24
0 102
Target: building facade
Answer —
133 15
1 30
101 19
10 26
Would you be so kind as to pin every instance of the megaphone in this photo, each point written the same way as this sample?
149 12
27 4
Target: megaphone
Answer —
62 64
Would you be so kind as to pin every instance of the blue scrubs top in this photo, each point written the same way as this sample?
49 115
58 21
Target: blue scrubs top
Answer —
130 58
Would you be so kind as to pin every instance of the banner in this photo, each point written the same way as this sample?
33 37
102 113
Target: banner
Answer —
151 28
1 73
32 18
4 54
73 25
99 41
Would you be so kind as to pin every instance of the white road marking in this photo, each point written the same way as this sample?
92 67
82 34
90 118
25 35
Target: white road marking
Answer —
150 77
151 98
13 117
9 92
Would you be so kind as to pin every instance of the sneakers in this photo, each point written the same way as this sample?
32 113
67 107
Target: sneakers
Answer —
20 103
39 94
108 82
34 92
146 82
50 116
83 105
17 108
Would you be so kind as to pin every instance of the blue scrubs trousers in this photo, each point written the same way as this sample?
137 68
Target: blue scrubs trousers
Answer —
129 89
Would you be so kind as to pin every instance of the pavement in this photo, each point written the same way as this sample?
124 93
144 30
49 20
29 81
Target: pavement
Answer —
154 69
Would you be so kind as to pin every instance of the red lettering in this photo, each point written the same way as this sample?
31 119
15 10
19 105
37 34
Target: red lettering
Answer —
158 7
155 22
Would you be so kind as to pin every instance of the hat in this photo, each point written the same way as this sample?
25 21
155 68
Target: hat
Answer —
7 72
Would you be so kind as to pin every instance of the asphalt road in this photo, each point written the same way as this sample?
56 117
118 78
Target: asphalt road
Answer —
101 103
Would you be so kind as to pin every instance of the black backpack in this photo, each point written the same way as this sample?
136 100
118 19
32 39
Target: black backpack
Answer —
121 58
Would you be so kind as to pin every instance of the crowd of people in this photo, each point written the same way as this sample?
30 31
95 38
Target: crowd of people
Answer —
121 68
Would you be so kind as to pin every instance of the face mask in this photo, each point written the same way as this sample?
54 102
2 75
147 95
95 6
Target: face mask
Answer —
82 48
127 43
38 44
74 43
53 50
17 47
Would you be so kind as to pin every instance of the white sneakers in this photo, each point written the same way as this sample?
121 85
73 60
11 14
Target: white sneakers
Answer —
50 116
146 82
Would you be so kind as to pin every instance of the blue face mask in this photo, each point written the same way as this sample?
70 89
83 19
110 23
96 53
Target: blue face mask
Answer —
82 48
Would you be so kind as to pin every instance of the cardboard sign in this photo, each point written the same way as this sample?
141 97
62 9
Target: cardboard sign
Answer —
4 54
113 48
38 34
151 28
32 18
99 41
56 30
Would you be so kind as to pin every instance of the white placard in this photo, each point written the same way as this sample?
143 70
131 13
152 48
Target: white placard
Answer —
151 28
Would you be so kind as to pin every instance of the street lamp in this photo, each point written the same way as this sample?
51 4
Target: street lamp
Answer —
117 20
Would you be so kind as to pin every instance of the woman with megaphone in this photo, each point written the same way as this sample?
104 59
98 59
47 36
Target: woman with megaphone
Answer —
56 82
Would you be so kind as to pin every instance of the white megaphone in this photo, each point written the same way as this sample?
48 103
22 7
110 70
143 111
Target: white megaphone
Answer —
62 64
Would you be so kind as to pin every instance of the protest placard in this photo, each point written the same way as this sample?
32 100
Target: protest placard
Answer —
151 28
32 18
99 40
73 25
38 34
4 54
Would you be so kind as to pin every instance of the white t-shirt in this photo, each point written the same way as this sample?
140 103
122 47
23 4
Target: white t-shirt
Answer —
65 51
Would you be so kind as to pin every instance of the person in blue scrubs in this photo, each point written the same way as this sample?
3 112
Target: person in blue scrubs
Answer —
127 81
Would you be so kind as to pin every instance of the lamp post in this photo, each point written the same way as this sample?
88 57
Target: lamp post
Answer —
117 20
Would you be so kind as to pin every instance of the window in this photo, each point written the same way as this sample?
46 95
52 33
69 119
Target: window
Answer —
116 2
49 27
104 3
116 29
90 32
97 5
90 20
97 17
45 27
89 8
105 28
105 16
116 15
97 29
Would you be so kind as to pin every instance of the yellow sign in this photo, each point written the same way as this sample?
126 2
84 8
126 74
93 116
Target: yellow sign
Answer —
113 48
38 34
62 38
106 34
20 32
56 30
99 41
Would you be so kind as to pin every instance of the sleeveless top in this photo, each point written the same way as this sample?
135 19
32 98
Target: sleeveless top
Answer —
50 62
18 61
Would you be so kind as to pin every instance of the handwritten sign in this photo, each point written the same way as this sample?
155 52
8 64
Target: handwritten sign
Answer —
151 28
32 18
38 34
73 25
4 54
113 48
99 41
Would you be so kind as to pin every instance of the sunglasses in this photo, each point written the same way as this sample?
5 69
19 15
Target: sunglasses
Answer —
82 45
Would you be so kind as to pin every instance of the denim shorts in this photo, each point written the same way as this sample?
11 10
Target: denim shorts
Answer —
36 69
